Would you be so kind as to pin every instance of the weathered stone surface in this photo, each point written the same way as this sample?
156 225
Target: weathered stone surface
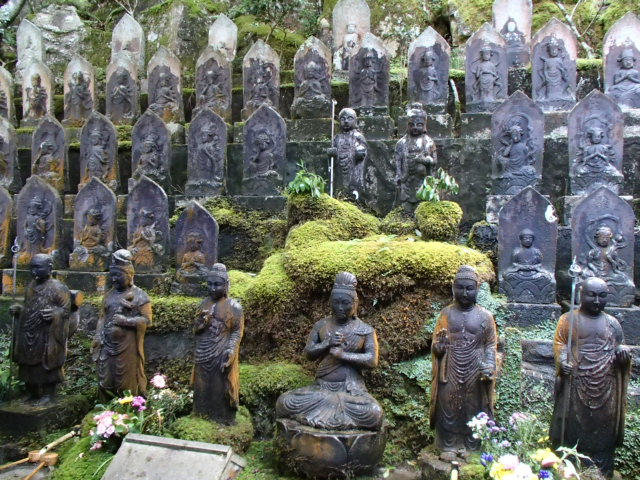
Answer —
264 153
99 152
213 82
532 314
148 225
485 70
260 78
6 210
207 140
7 108
151 150
621 52
122 95
94 225
30 46
428 71
128 37
165 86
223 36
79 92
602 242
37 93
517 128
512 18
527 238
38 224
351 22
312 80
369 75
49 156
595 137
553 77
9 168
629 319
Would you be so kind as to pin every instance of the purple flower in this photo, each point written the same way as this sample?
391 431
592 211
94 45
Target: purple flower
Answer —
485 459
544 474
505 444
139 403
495 429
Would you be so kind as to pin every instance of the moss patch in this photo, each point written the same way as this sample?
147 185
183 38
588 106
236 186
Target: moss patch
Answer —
439 220
260 463
173 312
78 462
304 208
398 222
199 429
272 290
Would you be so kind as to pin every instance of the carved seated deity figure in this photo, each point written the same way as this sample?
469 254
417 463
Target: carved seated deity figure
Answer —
486 79
313 94
349 150
37 225
415 156
96 157
626 81
526 279
193 260
345 345
262 88
603 261
463 354
165 96
516 48
428 77
38 98
150 161
595 162
516 160
212 94
262 162
554 75
122 96
78 102
146 241
90 251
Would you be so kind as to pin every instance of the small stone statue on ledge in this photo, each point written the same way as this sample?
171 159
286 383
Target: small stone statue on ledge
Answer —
349 149
42 331
218 331
594 366
463 354
119 344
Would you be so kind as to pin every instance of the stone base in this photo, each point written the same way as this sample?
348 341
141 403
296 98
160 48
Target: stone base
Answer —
376 127
159 283
310 129
477 125
531 314
88 282
438 125
566 205
328 454
19 417
204 189
435 469
629 318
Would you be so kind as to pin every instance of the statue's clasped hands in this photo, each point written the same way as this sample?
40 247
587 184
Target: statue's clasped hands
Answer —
336 343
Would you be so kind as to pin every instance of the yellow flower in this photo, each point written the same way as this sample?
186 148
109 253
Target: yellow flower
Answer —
543 439
124 400
546 458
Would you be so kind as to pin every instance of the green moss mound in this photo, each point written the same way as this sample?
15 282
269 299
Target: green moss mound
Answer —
173 312
271 291
199 429
304 208
239 282
383 262
78 462
439 220
398 222
262 384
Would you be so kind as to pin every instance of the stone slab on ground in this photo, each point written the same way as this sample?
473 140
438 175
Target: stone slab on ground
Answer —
530 314
146 456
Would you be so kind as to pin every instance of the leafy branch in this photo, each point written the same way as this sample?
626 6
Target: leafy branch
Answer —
435 185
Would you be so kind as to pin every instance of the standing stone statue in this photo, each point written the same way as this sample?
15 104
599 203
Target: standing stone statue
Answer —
312 88
621 52
351 21
485 70
99 152
213 82
553 80
595 369
260 78
42 331
122 104
37 93
118 347
151 150
79 91
369 74
349 151
218 330
165 87
512 18
463 355
207 141
415 156
49 153
428 77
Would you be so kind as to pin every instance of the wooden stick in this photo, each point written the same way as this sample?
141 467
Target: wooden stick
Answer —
37 469
13 464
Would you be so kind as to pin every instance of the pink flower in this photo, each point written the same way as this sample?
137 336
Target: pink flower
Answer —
96 446
159 381
139 403
517 417
110 431
509 462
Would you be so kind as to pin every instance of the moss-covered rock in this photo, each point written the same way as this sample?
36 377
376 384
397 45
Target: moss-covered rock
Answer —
399 222
173 312
439 220
78 462
271 291
304 208
262 384
239 282
199 429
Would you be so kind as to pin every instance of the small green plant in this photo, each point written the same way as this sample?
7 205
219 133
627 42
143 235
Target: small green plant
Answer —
434 185
306 183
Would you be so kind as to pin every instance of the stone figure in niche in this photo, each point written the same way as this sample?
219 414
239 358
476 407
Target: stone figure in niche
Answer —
211 93
263 89
118 347
314 91
9 168
218 330
345 345
486 78
368 78
210 153
49 153
150 162
625 87
78 101
350 44
428 78
517 49
595 163
603 261
595 368
415 156
262 162
38 98
147 242
193 260
526 279
42 331
37 226
98 152
121 95
97 157
516 155
463 355
207 142
92 237
555 84
164 97
349 151
4 158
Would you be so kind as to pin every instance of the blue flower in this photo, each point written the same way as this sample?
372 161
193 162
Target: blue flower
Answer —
485 459
544 474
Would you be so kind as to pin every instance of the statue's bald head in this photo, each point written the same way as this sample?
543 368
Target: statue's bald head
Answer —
593 295
41 266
